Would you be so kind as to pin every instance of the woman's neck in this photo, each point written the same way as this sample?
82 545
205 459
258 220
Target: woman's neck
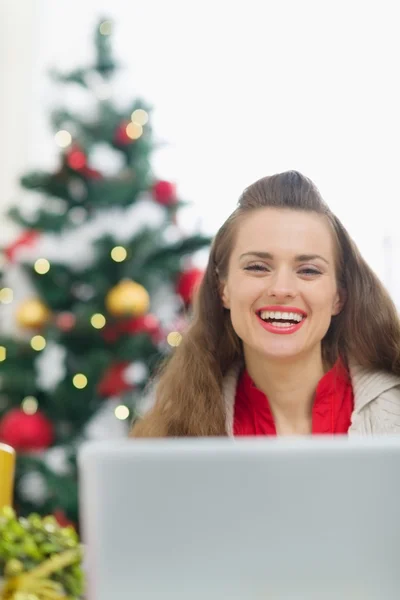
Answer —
290 388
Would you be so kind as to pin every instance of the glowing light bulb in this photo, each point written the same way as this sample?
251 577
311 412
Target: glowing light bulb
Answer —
63 138
42 266
119 253
174 338
6 295
98 321
121 412
105 28
29 405
38 342
80 381
134 131
140 116
3 353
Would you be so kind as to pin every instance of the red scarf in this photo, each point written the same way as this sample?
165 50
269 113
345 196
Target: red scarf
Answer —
331 412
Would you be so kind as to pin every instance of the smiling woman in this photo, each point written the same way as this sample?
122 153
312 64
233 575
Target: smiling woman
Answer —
286 338
296 274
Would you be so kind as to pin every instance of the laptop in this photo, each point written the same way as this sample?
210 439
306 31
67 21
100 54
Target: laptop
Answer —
244 519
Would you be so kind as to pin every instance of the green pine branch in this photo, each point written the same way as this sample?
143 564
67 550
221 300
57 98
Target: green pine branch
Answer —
161 258
104 62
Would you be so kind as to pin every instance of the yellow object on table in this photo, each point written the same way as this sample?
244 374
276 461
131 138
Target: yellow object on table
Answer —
35 584
7 469
43 561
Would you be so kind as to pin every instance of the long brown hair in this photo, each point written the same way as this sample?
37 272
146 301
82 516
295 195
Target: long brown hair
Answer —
189 398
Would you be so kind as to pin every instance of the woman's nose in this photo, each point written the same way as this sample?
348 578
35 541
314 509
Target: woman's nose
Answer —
282 284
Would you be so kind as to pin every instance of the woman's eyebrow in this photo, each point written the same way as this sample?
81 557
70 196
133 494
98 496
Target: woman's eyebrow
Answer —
299 258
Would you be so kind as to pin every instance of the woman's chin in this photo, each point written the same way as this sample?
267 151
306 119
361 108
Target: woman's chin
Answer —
281 351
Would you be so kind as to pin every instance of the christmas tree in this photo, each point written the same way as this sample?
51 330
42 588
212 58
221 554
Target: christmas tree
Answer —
110 278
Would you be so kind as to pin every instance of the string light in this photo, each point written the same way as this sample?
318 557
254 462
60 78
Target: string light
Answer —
121 412
63 138
29 405
38 342
119 253
80 381
174 338
42 266
6 295
140 116
98 321
3 353
134 131
105 28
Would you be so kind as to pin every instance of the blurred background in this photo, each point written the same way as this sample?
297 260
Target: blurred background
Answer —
239 90
235 91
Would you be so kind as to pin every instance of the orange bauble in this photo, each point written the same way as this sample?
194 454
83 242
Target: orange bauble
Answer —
32 314
127 298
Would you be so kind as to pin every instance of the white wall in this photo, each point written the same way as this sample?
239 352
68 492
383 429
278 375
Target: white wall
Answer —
249 88
16 108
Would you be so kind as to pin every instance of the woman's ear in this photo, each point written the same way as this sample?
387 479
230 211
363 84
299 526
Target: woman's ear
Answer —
224 293
339 301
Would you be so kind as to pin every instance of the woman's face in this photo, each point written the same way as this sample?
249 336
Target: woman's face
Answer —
281 287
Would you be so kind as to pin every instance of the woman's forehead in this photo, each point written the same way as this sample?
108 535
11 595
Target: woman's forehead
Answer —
283 231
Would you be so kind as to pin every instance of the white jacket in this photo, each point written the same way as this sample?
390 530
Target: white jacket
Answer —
376 401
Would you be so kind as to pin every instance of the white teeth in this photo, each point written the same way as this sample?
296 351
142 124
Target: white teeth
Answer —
283 316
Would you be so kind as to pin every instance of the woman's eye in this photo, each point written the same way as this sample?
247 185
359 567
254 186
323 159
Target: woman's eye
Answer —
256 268
309 271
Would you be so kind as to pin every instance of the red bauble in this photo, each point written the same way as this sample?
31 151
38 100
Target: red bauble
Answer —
112 382
90 173
146 324
65 321
164 192
76 158
110 333
28 238
62 519
188 282
121 138
26 432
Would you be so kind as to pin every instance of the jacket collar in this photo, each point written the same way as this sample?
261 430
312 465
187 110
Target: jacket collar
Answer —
367 386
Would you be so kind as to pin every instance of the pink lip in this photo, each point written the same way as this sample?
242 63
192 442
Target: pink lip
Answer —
277 308
282 330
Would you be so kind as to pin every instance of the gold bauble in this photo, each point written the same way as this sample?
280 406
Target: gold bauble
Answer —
127 298
32 314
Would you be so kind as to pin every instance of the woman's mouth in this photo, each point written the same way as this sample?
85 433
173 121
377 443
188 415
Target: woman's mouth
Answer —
281 321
